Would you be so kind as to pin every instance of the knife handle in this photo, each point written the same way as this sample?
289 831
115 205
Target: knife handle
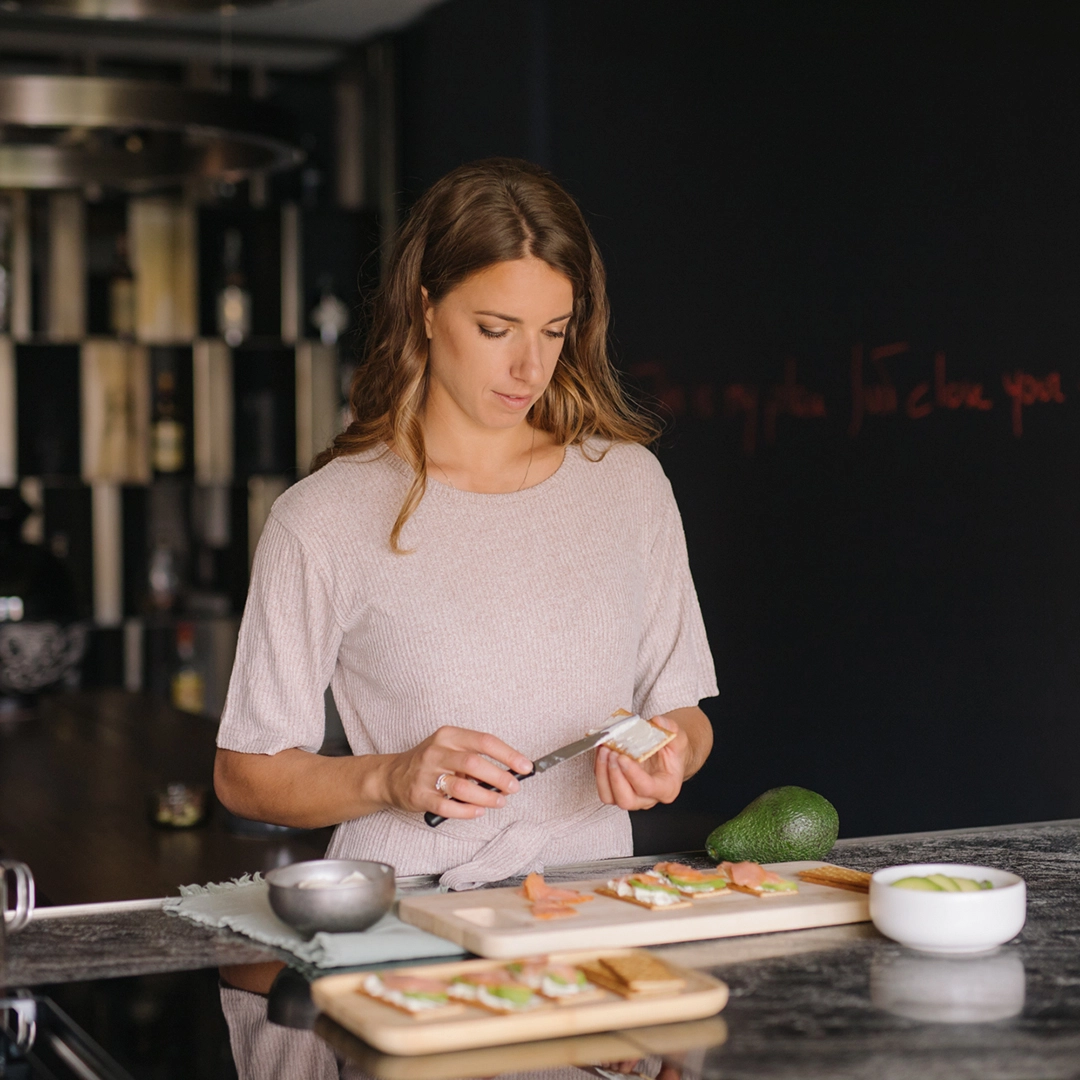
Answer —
436 819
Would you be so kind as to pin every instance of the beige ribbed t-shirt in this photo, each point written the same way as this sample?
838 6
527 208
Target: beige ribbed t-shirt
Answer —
532 615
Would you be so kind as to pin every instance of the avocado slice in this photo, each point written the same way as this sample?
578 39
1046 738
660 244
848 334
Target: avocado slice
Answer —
779 886
921 884
943 882
517 995
708 885
652 886
967 884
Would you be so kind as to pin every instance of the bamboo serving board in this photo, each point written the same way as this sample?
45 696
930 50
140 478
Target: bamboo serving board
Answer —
497 923
395 1032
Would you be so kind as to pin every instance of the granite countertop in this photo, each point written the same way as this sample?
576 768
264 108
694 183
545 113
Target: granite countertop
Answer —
812 1003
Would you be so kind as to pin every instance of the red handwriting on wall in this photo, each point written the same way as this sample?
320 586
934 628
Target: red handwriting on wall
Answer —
670 395
876 395
742 400
790 399
875 399
948 394
1025 389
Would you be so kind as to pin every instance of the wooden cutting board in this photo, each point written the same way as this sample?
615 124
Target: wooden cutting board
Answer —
498 923
395 1032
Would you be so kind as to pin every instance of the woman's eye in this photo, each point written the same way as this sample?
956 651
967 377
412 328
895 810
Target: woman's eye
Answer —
489 333
557 334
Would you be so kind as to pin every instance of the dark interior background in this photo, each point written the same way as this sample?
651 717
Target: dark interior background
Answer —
891 593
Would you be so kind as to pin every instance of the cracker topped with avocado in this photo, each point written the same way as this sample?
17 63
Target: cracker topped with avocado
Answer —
753 878
647 890
696 884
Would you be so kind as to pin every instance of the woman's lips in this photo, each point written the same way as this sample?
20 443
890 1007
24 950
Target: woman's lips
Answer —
514 401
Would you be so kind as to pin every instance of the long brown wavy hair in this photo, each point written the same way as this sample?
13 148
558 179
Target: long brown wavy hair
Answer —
490 211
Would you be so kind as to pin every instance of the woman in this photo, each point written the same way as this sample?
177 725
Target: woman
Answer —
484 565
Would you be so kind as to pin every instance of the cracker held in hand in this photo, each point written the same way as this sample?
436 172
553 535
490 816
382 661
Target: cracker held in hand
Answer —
839 877
640 740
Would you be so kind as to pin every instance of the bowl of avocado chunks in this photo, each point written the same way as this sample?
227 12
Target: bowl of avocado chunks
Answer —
947 907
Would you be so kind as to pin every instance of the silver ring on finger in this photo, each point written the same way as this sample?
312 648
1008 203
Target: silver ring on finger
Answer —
440 784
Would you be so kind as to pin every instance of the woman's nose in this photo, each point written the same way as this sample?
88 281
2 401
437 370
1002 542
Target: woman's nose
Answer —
529 361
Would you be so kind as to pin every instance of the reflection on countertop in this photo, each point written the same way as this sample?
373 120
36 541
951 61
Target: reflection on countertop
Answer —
949 990
275 1034
830 1002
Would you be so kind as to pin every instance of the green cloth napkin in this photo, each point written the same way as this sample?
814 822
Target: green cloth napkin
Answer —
243 905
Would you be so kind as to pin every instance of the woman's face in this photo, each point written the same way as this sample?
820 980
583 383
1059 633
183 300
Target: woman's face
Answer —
494 341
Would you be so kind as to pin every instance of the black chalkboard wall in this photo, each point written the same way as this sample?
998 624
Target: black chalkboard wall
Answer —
843 243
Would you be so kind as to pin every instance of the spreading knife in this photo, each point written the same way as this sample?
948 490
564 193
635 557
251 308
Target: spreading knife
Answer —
591 741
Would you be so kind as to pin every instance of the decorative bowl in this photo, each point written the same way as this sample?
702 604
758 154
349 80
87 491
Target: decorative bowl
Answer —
949 922
322 902
35 655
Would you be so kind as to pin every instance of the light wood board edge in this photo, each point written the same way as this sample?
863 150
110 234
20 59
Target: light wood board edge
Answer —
832 907
394 1032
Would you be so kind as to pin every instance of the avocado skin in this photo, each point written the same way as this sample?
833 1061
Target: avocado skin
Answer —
785 824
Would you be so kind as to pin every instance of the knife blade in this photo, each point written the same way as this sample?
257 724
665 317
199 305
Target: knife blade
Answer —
556 757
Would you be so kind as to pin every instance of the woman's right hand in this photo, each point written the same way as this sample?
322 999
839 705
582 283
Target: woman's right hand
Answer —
462 755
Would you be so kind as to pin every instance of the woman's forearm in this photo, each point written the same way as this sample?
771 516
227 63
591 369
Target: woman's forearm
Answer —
454 772
699 734
301 789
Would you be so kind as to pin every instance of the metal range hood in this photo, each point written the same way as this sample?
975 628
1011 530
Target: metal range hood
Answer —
63 131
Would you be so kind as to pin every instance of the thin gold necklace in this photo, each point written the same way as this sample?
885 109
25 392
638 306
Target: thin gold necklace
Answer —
532 450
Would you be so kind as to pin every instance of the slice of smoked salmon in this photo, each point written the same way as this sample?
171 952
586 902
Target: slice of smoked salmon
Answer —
567 896
536 889
748 874
545 910
682 871
533 886
415 983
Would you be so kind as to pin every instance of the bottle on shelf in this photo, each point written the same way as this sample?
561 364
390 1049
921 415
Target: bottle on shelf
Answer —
168 432
121 292
330 316
164 578
234 300
188 685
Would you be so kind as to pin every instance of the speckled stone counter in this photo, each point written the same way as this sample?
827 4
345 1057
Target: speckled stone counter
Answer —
818 1003
835 1002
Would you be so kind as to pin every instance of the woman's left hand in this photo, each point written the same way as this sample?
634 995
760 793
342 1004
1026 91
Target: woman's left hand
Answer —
623 782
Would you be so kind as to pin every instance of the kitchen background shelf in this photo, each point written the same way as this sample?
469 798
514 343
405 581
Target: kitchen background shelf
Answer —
169 364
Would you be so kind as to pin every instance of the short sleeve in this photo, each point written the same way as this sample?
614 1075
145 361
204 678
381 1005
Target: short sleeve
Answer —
675 667
286 654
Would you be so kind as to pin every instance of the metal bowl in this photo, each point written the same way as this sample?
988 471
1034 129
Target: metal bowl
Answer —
335 908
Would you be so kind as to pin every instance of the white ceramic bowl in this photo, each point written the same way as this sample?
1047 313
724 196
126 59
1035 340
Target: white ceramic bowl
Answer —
948 922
